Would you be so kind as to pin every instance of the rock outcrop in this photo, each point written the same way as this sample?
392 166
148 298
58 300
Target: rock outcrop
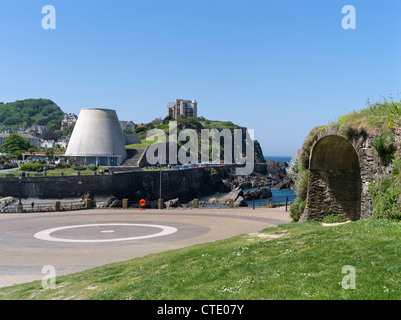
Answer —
273 173
111 202
261 193
4 202
173 203
89 195
237 195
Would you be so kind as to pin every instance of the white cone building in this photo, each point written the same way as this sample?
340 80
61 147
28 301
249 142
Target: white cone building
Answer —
97 138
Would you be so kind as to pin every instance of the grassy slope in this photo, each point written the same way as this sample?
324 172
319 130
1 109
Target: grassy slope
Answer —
206 124
379 116
144 143
305 263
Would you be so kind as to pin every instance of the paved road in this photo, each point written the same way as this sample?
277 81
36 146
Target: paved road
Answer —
8 170
76 241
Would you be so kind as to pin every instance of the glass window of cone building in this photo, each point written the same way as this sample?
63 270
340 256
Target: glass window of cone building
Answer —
101 161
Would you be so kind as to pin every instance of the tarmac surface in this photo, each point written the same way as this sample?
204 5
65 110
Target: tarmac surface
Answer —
78 240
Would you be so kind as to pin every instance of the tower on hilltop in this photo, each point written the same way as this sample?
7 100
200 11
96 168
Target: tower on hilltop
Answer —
187 108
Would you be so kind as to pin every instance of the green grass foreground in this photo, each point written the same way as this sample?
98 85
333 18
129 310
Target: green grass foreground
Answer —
305 262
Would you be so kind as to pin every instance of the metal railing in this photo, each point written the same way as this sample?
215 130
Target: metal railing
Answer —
44 207
53 174
196 203
58 205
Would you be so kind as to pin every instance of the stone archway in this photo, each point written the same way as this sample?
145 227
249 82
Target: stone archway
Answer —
335 184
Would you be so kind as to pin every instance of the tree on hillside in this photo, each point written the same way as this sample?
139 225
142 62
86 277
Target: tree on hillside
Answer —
50 153
15 142
28 112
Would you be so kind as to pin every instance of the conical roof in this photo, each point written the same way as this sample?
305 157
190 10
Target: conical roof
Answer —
97 132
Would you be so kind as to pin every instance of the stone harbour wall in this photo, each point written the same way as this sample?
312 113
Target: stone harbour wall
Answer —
134 185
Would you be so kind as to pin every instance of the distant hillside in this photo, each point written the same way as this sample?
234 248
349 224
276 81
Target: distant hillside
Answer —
26 113
196 123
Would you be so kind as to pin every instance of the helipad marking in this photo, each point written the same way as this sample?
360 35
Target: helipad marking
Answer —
107 231
45 234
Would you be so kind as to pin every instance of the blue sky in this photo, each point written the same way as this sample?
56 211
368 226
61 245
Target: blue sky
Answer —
280 67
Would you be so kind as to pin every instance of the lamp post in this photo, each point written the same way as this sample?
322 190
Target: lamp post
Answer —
160 184
270 186
160 205
19 207
19 182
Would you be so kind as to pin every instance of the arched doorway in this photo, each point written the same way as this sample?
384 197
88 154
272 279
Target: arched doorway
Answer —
334 179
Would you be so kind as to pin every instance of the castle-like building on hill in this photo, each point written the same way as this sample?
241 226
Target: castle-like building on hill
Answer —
68 120
187 108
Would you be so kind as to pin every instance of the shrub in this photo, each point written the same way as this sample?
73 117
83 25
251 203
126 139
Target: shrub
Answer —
297 208
9 165
32 166
304 158
383 144
298 171
302 182
78 167
292 170
396 126
300 174
397 167
62 165
385 194
92 167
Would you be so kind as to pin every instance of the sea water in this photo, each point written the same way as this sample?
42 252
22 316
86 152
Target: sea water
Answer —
278 196
278 158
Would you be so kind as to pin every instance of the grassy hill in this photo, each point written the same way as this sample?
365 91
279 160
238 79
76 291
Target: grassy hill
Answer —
307 262
26 113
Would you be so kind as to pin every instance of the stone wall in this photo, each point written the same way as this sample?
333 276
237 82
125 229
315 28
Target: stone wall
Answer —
132 139
56 187
340 171
334 192
134 185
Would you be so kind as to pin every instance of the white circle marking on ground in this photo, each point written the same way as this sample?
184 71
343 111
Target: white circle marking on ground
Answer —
45 234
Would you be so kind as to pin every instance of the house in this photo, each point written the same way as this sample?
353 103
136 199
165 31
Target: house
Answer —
127 125
48 144
63 142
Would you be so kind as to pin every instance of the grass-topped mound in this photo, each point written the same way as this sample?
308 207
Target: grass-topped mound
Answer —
380 125
379 122
197 124
294 261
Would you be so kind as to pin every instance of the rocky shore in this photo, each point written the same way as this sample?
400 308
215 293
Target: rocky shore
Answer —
272 174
